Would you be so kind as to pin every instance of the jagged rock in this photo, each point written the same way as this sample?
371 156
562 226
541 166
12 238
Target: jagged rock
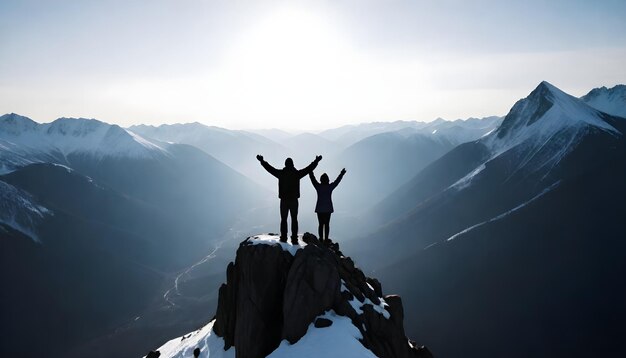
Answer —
261 276
312 285
323 323
275 291
226 309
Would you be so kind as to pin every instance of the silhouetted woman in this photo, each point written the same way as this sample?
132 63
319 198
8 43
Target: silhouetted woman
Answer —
324 206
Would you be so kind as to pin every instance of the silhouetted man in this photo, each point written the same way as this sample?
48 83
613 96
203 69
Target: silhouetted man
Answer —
289 192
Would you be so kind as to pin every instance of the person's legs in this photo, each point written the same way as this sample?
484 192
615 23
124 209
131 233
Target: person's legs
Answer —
294 219
320 226
284 210
327 225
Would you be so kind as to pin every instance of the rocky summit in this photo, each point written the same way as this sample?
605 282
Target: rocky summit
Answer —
275 292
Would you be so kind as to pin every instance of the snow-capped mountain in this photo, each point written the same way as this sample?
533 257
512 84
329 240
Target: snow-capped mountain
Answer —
24 141
502 223
608 100
548 124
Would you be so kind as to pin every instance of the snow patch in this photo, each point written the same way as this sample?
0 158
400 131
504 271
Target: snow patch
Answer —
268 239
358 305
210 344
467 180
341 339
496 218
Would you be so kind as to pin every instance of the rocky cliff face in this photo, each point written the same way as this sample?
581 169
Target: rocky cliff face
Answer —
274 291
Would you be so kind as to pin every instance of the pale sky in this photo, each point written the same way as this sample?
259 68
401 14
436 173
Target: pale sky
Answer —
299 64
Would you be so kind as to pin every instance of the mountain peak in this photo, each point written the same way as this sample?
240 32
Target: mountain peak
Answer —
547 110
304 300
14 124
548 120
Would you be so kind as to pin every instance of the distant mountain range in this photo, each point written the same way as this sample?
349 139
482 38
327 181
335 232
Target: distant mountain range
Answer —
380 156
514 236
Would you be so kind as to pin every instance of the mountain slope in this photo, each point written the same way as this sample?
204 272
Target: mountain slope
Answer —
506 228
381 163
548 272
126 214
19 211
95 264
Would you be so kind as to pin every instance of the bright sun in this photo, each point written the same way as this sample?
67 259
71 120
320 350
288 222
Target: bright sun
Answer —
286 61
294 70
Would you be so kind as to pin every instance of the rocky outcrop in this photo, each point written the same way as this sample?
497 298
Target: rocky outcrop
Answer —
274 291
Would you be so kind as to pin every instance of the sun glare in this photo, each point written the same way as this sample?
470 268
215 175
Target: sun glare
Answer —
293 69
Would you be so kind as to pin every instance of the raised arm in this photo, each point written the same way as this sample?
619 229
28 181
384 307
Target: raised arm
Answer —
338 180
313 180
275 172
310 167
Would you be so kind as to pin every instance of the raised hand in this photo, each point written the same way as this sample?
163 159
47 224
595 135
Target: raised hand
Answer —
259 158
318 158
343 171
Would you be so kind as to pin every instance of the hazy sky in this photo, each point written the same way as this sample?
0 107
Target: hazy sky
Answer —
299 64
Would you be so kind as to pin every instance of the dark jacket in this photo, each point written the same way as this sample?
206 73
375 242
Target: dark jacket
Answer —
289 179
324 194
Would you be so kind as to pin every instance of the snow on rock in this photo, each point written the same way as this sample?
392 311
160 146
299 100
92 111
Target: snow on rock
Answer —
341 339
467 180
210 344
357 304
272 239
19 211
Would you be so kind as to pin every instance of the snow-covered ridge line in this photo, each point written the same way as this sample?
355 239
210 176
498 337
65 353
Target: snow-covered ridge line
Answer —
75 135
608 100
